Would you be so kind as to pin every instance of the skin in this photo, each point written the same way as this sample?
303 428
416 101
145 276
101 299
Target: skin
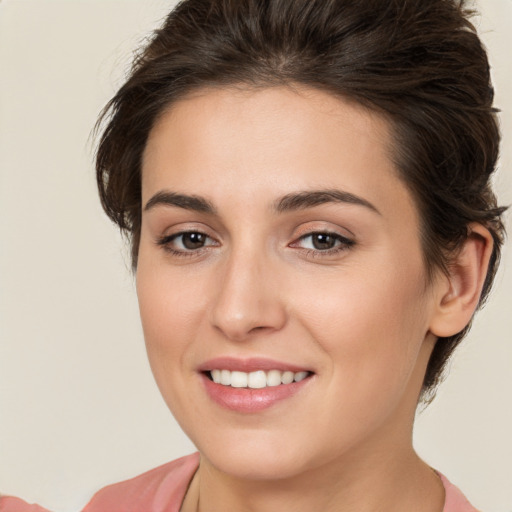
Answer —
363 319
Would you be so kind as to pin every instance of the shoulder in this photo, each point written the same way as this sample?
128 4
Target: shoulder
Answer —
12 504
455 501
159 490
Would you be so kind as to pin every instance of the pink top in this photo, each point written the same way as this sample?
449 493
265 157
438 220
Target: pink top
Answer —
162 490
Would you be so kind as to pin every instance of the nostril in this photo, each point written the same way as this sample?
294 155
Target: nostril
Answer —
259 328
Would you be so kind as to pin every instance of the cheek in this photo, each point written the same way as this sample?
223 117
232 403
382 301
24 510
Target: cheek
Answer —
371 324
371 332
171 312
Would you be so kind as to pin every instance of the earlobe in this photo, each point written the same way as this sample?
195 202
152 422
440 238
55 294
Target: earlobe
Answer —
458 293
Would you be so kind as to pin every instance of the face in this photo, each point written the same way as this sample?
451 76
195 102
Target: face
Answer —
280 280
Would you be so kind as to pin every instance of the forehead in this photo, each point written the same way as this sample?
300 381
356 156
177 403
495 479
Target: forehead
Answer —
272 141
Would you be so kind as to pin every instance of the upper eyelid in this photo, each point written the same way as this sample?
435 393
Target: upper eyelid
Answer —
179 229
340 233
172 236
308 228
324 232
347 239
297 237
344 239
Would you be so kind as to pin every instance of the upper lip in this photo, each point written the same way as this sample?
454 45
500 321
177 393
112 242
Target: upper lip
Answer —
249 365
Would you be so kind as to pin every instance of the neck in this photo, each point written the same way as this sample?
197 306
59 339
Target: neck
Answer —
399 483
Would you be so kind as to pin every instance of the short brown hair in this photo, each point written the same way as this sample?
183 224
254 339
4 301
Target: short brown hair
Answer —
418 62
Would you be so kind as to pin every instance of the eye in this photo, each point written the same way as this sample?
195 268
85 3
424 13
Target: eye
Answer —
186 242
325 242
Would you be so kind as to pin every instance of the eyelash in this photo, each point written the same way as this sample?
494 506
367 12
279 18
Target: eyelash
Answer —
165 243
342 245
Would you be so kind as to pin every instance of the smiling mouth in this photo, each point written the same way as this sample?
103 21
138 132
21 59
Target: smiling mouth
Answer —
257 379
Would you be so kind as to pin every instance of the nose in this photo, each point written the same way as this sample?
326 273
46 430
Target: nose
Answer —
249 298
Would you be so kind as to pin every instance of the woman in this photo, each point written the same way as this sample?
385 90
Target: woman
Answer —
306 190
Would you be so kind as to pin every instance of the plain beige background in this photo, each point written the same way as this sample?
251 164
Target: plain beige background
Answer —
78 406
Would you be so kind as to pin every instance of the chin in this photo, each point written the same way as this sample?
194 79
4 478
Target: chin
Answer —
262 456
255 464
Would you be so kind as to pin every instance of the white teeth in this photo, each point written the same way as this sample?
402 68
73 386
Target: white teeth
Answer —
256 380
287 377
216 376
300 376
225 377
239 379
273 378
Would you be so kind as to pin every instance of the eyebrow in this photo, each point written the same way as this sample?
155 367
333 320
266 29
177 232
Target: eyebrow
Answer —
187 202
311 198
290 202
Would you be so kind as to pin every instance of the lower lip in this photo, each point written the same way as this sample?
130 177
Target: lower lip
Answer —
249 400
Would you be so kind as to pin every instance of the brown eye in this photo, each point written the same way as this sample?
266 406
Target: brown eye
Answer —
193 240
323 241
186 242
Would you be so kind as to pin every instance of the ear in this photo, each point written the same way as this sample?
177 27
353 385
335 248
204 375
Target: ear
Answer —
457 295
